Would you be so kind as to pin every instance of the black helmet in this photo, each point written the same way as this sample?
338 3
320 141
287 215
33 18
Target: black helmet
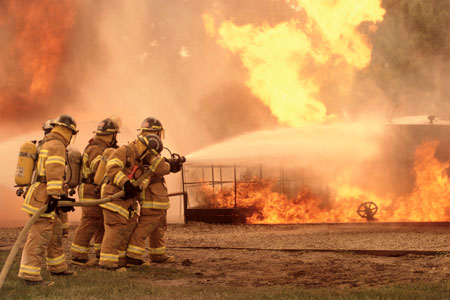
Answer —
66 121
47 126
152 142
107 127
152 125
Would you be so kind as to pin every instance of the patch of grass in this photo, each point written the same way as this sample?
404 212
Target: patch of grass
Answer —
158 273
136 283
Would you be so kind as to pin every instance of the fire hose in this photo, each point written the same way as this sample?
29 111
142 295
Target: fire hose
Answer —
36 216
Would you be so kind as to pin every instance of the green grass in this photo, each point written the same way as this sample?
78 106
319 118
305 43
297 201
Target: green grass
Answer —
136 283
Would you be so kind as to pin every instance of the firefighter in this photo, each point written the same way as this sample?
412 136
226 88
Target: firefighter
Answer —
44 237
124 165
91 224
154 206
64 216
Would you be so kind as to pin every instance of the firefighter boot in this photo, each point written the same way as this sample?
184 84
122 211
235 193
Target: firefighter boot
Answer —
79 262
134 262
39 282
64 273
163 258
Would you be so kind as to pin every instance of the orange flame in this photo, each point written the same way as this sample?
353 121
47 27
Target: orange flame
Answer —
40 31
285 62
428 200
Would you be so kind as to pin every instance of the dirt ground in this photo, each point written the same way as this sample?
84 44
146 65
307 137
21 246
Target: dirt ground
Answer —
264 255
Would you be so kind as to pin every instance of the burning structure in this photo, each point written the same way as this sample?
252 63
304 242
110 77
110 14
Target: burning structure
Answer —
407 181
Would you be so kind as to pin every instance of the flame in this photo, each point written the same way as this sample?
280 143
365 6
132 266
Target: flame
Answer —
428 201
284 61
40 36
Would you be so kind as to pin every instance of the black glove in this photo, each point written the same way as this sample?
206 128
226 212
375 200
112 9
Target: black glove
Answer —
175 165
67 208
52 203
131 191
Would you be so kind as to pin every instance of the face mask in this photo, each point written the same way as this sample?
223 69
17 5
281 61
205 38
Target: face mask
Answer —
142 149
114 142
73 139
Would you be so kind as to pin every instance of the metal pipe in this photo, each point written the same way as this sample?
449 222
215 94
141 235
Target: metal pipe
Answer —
235 190
221 179
212 175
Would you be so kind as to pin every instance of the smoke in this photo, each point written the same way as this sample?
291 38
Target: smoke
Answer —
327 150
409 72
137 59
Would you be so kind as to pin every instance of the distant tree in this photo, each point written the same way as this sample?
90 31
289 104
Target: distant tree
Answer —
411 51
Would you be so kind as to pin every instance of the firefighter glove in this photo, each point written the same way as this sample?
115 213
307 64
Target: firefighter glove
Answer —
52 203
67 208
131 191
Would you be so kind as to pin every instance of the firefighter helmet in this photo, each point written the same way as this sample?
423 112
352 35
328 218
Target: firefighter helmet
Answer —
152 142
152 125
66 121
47 126
107 127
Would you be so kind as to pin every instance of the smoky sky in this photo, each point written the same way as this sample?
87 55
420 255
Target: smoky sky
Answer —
155 56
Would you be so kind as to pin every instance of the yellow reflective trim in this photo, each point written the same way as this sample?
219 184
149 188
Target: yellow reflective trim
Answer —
56 261
43 154
95 161
81 191
31 267
109 257
65 225
160 250
85 169
114 207
54 184
155 205
30 270
155 164
32 210
56 160
97 246
31 191
135 249
122 254
119 176
79 249
114 161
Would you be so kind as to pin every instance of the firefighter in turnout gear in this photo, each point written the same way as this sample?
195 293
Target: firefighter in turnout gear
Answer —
91 224
44 240
64 216
124 166
149 218
154 206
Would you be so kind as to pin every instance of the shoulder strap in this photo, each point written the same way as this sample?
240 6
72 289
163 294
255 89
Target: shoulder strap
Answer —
128 163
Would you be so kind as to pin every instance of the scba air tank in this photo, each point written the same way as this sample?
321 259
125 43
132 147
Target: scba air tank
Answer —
100 174
25 164
73 167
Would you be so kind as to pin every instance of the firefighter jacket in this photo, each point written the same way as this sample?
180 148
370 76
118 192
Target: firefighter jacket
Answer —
91 158
123 165
155 196
50 169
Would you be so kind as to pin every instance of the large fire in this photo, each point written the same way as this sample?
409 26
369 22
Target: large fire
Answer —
287 62
40 33
428 201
